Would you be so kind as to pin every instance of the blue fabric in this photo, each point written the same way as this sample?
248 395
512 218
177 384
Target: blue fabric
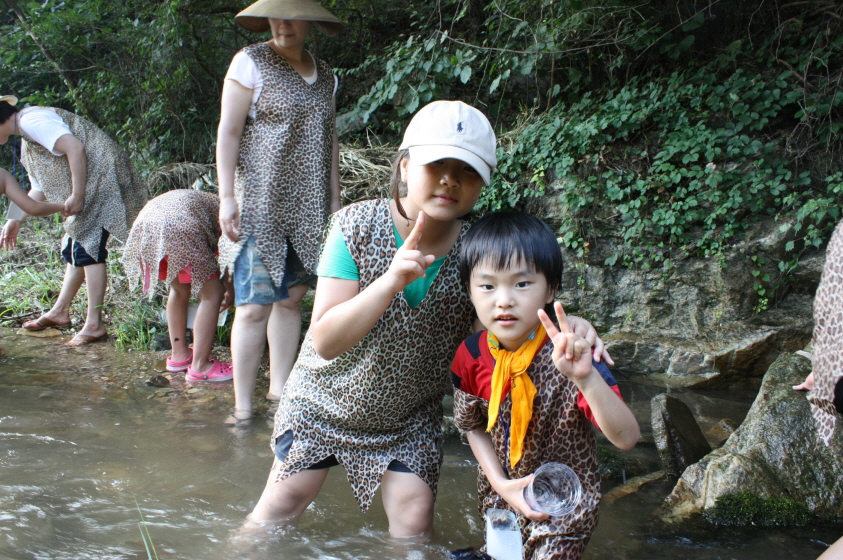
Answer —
285 441
74 254
252 283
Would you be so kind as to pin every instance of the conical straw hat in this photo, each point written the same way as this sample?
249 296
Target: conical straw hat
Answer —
254 17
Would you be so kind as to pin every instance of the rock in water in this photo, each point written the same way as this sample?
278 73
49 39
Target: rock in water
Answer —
678 436
45 333
775 453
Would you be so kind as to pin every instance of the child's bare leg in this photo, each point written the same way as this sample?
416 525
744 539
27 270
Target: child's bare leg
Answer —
248 339
285 500
205 323
283 331
177 319
408 502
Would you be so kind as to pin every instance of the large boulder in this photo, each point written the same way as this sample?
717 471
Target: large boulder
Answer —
678 437
703 322
775 453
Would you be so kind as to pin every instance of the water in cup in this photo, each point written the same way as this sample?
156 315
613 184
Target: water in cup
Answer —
554 490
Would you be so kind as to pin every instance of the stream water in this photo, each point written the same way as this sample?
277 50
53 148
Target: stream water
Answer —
86 449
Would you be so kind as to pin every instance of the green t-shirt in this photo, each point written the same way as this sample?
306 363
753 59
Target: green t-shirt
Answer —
336 262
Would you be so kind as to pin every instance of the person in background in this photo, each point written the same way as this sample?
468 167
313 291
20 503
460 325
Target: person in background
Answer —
69 160
174 240
278 168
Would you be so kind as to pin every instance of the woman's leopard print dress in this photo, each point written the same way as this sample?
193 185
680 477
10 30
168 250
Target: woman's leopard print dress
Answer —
283 175
828 338
114 193
558 431
181 225
382 399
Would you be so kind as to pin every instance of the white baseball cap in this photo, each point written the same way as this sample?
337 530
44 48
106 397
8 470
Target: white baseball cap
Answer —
451 129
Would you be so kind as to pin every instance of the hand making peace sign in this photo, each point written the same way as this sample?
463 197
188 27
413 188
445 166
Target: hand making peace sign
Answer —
409 263
571 352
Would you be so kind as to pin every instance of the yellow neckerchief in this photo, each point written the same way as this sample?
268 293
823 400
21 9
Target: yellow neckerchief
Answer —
511 365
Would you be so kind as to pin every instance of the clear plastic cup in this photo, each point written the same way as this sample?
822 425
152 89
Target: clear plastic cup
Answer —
554 490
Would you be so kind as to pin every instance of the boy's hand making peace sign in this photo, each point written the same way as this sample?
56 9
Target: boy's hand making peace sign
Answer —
571 352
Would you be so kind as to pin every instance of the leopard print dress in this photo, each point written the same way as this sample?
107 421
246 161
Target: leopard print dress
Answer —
828 338
114 193
283 175
181 225
382 399
558 431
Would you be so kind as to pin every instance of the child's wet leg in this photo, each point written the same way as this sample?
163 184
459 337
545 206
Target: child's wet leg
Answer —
408 502
205 323
248 339
283 333
177 320
285 500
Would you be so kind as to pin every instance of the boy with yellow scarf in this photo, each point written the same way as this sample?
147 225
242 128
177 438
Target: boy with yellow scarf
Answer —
526 391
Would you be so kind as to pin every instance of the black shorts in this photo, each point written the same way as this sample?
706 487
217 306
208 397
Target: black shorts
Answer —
285 441
74 254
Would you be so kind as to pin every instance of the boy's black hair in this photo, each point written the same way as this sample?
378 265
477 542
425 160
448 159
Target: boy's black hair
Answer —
500 237
6 111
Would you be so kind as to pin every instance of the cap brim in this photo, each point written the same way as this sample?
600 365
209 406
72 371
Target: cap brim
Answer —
422 155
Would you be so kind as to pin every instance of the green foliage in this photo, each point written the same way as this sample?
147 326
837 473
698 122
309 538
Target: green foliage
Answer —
745 508
684 163
136 326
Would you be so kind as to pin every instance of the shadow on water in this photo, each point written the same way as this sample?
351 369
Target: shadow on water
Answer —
82 438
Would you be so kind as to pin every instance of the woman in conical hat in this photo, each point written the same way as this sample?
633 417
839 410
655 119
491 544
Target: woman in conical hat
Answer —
69 160
278 166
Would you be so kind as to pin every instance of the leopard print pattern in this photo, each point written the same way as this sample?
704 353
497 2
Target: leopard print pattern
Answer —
181 225
382 399
114 193
828 338
558 431
283 175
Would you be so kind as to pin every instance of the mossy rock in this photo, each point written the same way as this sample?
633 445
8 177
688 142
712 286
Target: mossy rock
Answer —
746 508
613 465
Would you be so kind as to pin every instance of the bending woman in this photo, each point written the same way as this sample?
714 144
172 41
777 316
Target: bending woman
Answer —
278 166
70 160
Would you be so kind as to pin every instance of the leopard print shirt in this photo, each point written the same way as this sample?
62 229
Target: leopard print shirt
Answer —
828 338
181 225
382 399
283 176
114 193
558 431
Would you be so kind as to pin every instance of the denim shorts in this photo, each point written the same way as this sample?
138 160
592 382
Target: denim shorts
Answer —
252 283
285 441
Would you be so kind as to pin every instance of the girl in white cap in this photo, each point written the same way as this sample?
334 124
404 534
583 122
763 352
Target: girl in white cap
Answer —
390 310
278 166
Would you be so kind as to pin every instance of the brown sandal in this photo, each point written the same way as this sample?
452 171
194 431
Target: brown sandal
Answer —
42 323
83 339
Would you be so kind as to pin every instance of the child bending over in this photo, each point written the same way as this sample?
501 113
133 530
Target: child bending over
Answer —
526 391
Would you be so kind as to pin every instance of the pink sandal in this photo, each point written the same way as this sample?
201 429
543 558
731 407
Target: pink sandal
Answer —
219 371
176 367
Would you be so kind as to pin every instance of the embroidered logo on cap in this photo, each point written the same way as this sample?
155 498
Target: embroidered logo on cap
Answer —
460 128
